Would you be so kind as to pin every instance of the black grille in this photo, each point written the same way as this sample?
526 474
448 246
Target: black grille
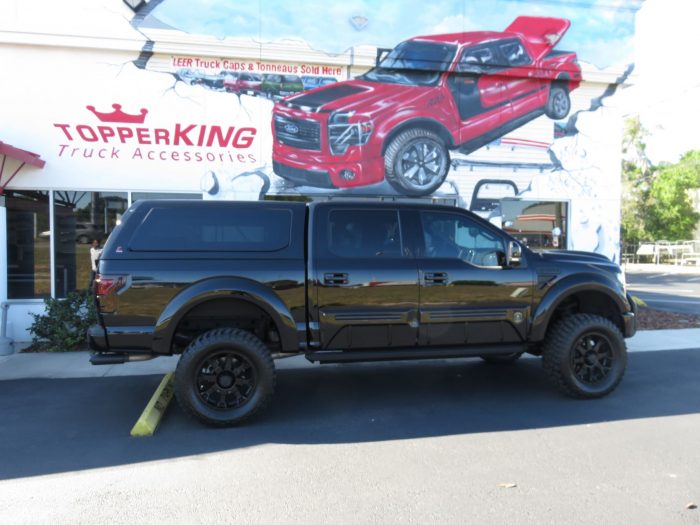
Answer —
302 134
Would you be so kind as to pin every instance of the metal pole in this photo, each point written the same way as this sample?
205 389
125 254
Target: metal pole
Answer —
5 342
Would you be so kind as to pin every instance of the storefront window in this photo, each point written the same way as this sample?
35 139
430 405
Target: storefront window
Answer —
79 218
540 225
28 262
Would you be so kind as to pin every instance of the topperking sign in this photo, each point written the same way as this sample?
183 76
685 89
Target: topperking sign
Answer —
120 135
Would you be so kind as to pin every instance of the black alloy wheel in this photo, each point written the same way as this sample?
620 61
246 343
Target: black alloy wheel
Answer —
592 358
225 380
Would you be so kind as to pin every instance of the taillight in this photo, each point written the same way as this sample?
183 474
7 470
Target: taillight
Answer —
106 288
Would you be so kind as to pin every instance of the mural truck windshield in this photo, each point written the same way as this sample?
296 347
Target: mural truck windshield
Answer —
413 63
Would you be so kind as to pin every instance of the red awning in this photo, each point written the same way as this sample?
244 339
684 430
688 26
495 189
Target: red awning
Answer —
24 156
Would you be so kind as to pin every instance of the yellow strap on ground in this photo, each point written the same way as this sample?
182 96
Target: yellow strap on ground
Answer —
155 409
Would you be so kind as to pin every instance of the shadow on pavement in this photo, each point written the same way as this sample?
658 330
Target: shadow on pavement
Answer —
51 426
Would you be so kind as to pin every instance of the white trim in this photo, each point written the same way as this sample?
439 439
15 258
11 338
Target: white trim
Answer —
3 253
52 244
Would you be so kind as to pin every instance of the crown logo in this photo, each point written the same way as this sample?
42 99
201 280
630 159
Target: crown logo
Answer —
119 116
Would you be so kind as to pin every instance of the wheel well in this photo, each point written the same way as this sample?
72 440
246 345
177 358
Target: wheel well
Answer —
590 302
563 81
428 124
225 313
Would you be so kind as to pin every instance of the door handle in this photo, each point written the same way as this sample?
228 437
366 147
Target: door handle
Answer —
434 278
335 279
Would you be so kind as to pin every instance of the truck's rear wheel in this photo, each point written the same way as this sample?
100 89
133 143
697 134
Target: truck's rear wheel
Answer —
585 356
416 162
224 377
558 103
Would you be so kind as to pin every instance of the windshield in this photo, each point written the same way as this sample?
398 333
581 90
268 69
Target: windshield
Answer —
413 63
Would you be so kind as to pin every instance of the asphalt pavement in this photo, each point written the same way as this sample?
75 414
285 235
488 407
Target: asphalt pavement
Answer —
666 287
455 441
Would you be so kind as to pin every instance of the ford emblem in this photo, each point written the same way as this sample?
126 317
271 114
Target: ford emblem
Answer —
291 128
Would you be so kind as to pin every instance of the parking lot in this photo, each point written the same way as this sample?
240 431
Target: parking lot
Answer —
666 287
440 442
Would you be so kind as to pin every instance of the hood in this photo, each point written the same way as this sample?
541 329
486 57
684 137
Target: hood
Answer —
361 96
578 257
574 255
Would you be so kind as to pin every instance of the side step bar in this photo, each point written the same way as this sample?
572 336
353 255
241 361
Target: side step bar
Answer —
398 354
113 358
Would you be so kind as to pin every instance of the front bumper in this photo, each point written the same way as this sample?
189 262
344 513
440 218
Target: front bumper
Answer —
629 319
316 169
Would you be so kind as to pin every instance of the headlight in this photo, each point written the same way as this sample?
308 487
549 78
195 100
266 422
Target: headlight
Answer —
342 133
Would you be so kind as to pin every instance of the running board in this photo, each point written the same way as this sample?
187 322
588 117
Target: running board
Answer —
113 358
399 354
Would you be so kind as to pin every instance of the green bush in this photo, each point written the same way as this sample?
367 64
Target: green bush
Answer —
63 326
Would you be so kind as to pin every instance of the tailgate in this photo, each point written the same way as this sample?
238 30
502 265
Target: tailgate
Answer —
541 33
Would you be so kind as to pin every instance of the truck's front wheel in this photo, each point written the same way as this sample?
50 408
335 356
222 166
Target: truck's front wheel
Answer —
224 377
416 162
585 356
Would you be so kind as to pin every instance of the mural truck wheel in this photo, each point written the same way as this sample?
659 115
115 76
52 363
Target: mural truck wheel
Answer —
416 162
559 103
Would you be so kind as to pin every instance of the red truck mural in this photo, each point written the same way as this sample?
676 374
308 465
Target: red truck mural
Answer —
429 95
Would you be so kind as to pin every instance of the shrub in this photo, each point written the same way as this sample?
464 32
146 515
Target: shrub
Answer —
63 326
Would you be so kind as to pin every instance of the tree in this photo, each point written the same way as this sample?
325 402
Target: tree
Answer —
637 175
670 212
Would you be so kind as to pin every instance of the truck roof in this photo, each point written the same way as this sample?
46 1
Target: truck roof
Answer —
469 38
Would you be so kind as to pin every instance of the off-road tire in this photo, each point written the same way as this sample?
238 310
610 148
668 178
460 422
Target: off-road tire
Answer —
559 102
394 162
205 349
563 361
501 359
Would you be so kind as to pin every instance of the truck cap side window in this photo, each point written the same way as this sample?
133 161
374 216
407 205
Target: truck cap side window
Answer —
207 228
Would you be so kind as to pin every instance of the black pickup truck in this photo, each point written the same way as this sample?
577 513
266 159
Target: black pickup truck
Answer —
232 286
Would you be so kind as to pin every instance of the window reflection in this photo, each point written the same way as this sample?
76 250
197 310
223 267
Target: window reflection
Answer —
28 271
540 225
79 218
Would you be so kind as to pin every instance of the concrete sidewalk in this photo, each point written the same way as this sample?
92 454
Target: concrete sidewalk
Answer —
77 364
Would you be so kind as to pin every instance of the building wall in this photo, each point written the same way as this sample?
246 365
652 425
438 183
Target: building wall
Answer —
172 133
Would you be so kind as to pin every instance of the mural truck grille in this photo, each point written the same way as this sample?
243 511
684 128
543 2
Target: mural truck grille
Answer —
302 134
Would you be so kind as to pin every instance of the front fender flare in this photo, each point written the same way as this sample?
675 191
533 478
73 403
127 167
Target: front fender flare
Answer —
562 290
224 288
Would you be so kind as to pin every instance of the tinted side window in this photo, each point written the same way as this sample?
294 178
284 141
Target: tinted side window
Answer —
454 236
514 53
364 233
481 59
212 229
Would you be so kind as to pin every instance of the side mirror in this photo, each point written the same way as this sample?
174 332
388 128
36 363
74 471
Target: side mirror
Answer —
513 254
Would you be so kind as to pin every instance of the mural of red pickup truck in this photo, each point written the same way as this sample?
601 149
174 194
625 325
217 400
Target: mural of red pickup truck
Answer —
429 95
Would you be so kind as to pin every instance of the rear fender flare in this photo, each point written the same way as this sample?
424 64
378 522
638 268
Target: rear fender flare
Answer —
568 287
224 288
